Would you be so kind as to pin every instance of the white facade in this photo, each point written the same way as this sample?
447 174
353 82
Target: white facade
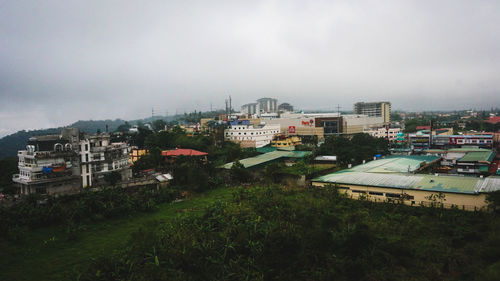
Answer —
99 156
390 134
258 135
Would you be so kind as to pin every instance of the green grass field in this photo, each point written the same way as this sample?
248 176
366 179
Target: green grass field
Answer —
46 253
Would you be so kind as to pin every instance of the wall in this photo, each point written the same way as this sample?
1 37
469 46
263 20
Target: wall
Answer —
463 201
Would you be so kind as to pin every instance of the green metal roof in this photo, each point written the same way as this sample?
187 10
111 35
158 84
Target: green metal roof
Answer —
266 149
392 172
395 164
476 156
268 157
455 184
467 149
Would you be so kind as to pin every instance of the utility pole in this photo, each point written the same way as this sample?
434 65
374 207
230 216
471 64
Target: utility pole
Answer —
152 113
230 105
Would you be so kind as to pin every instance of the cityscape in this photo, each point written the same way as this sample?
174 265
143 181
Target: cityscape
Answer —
249 141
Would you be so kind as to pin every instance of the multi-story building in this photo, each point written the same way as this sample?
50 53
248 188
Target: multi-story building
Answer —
355 123
251 135
267 105
62 164
374 109
419 141
49 165
99 157
390 134
250 108
450 141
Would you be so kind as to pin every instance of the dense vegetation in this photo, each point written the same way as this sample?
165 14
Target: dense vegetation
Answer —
8 167
360 147
73 210
278 234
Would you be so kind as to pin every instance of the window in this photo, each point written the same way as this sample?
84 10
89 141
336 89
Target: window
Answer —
359 191
376 193
392 195
343 187
86 147
86 158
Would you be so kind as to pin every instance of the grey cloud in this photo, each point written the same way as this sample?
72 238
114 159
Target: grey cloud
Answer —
61 61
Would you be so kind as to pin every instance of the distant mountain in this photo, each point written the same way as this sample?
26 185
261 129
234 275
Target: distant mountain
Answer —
9 145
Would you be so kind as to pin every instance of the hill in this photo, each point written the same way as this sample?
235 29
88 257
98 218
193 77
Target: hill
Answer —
264 233
9 145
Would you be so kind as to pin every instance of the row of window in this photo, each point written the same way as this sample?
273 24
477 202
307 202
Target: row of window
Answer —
256 133
387 194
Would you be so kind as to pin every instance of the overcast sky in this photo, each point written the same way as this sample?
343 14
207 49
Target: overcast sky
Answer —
61 61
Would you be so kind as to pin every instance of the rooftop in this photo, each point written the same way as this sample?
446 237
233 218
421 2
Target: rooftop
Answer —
454 184
478 156
268 157
395 164
184 152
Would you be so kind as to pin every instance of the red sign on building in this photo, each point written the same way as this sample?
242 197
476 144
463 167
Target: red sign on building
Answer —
291 129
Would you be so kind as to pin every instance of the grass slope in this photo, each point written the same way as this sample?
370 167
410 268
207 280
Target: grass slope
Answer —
46 254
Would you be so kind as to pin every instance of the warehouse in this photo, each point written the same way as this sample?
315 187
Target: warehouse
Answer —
385 180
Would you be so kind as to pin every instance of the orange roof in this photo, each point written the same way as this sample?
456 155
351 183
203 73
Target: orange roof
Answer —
493 119
423 127
185 152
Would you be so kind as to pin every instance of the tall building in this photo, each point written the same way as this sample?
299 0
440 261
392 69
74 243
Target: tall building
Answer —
268 105
62 164
250 108
374 109
99 157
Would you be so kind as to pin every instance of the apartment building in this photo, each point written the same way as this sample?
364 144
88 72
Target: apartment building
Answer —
374 109
62 164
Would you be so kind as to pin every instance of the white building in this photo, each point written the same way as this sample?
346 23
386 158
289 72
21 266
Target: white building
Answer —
62 164
391 134
99 156
267 105
250 135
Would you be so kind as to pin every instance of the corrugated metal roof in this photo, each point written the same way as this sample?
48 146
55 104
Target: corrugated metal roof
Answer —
455 184
395 164
268 157
490 184
476 156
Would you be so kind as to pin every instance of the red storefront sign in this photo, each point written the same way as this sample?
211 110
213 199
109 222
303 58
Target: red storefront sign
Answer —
291 129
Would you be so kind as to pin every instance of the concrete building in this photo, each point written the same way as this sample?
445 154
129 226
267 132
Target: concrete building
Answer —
285 107
388 133
99 157
267 105
49 165
324 124
250 108
374 109
475 162
62 164
393 179
251 135
357 123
